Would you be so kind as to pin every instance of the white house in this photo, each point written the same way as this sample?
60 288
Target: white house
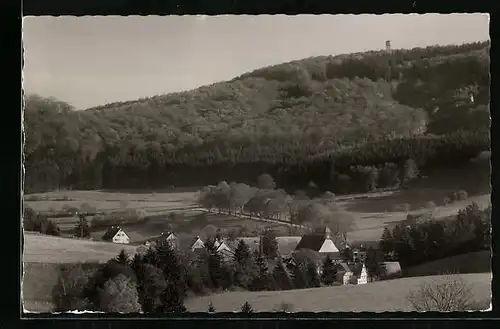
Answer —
116 235
169 237
223 249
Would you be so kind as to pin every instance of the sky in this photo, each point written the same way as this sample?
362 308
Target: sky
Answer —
90 61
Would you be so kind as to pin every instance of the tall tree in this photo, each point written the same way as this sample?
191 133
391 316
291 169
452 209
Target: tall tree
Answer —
282 279
269 244
82 229
244 265
313 275
262 278
122 258
386 241
329 273
246 308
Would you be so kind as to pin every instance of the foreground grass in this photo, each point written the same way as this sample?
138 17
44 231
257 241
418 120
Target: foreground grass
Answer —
374 297
48 249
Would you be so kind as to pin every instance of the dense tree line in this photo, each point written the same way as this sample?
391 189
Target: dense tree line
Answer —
160 280
427 239
298 121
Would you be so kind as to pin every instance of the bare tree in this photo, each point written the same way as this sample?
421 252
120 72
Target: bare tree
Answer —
449 293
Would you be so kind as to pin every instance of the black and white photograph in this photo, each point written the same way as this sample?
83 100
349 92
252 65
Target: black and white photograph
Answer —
249 164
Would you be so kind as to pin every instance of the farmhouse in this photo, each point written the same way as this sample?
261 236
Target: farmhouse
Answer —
322 241
168 237
223 249
116 235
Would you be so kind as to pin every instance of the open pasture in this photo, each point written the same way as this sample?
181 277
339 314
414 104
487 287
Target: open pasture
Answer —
40 248
369 225
383 296
108 201
192 223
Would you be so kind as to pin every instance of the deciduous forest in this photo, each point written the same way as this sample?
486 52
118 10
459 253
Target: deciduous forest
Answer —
329 120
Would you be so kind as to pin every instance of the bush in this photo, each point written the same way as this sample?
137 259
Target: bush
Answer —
284 307
86 208
446 201
430 204
446 294
462 195
119 294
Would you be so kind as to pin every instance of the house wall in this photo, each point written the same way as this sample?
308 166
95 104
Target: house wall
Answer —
121 237
328 247
173 241
198 244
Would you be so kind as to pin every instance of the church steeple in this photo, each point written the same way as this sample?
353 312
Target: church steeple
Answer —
325 231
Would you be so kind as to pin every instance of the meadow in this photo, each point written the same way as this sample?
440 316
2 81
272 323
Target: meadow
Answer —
40 248
382 296
371 211
109 201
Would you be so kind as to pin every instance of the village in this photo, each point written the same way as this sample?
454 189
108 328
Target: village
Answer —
320 241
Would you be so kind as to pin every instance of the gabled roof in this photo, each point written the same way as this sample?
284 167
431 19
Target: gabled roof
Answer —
311 241
197 243
110 233
344 267
221 245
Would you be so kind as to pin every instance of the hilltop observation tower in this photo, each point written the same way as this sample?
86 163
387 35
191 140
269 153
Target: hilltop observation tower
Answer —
388 51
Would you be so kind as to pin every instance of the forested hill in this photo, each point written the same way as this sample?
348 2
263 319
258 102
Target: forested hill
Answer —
285 120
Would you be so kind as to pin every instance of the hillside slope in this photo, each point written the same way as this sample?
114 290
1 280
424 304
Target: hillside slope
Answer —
281 114
40 248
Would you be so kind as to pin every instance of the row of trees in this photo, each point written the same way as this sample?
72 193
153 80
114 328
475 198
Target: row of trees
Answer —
35 222
272 120
428 239
266 201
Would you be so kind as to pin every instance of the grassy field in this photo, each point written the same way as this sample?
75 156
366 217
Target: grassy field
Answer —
474 262
188 224
369 225
374 297
371 215
107 201
48 249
